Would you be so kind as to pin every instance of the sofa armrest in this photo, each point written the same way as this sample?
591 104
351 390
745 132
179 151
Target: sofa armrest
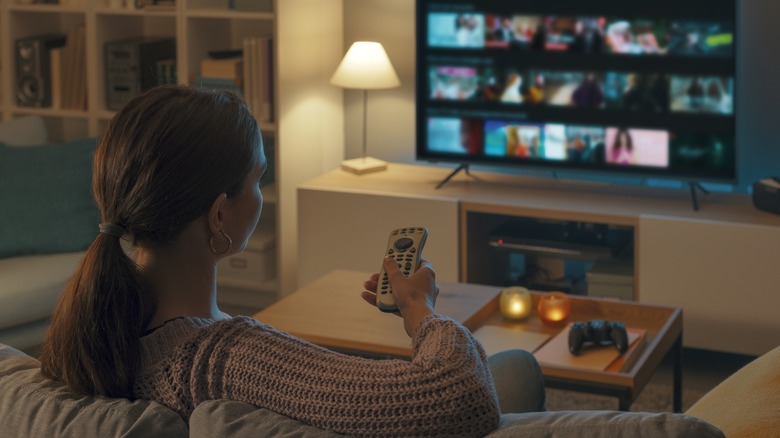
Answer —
747 403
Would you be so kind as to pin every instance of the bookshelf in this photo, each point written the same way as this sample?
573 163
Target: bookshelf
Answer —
308 42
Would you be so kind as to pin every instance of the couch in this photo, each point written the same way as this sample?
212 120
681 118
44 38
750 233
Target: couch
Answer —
48 221
745 405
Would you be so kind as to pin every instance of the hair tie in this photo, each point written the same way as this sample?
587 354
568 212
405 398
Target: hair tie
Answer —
112 230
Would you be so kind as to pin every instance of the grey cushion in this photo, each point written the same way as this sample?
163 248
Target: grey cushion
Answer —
231 418
33 406
592 424
46 196
27 295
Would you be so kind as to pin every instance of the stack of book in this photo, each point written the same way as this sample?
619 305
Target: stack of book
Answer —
248 72
69 72
222 72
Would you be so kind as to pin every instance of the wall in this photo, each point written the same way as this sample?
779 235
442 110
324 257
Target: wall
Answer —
391 112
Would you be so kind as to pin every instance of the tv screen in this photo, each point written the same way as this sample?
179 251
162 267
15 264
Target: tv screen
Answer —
610 86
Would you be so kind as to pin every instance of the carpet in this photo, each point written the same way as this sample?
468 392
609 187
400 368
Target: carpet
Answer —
655 397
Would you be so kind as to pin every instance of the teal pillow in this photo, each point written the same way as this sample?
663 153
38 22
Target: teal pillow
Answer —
46 201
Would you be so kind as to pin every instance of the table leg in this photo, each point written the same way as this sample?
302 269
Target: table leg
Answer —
624 401
677 357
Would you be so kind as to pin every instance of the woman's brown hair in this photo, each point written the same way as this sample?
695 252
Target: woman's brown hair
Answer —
161 163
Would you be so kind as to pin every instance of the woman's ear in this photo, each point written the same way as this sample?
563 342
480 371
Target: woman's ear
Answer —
216 214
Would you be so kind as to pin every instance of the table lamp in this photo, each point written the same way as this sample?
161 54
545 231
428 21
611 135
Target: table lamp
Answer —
366 66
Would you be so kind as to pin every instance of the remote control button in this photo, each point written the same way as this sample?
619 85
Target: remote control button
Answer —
390 251
403 243
412 250
408 265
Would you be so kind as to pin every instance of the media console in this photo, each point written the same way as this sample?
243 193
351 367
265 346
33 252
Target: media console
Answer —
716 263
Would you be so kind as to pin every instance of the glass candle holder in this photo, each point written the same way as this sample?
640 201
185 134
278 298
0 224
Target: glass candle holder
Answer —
554 308
515 303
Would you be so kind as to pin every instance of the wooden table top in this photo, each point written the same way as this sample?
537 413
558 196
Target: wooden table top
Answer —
330 312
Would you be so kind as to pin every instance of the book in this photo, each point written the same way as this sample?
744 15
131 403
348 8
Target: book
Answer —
599 358
495 339
258 76
219 84
74 70
228 68
55 73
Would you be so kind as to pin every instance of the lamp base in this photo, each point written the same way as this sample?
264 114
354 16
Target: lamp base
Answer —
362 165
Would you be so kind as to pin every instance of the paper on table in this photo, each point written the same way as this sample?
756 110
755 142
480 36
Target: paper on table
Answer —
496 339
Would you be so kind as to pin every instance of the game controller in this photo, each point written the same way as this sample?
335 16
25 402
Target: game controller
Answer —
405 246
598 332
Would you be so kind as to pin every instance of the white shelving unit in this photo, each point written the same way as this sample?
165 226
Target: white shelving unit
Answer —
308 129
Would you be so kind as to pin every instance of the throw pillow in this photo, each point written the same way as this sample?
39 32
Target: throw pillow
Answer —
46 201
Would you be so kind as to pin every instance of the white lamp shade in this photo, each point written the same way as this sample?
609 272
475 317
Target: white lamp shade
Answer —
366 66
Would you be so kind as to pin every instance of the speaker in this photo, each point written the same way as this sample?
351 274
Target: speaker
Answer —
33 69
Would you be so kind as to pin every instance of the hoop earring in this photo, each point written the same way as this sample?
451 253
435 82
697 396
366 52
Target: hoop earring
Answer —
220 239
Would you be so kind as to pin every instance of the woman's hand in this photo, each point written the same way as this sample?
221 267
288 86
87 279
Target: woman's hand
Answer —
415 296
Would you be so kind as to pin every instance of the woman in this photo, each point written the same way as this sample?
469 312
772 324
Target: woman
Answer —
622 148
177 174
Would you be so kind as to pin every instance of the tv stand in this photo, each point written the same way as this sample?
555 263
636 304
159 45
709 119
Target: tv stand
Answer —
463 166
694 197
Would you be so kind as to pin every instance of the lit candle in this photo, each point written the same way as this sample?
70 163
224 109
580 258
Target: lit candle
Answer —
554 308
515 303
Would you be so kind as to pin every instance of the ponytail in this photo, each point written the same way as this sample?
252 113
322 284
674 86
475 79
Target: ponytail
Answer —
93 343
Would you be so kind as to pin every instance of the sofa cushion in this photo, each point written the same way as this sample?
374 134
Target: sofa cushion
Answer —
31 285
232 418
46 196
747 404
592 424
31 405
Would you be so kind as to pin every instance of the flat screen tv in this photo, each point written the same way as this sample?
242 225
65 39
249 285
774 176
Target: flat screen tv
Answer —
644 88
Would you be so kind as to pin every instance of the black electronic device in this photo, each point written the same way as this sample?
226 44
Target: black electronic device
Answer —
766 195
598 332
608 87
405 247
33 69
131 67
564 239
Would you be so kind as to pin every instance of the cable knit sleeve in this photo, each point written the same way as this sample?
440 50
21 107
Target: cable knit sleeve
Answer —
445 390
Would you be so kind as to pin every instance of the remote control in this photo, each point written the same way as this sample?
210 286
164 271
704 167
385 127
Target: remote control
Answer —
404 246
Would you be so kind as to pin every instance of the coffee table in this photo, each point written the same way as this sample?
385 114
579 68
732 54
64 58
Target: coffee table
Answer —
330 312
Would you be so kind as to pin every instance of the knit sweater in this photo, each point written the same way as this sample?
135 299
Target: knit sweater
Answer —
445 390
